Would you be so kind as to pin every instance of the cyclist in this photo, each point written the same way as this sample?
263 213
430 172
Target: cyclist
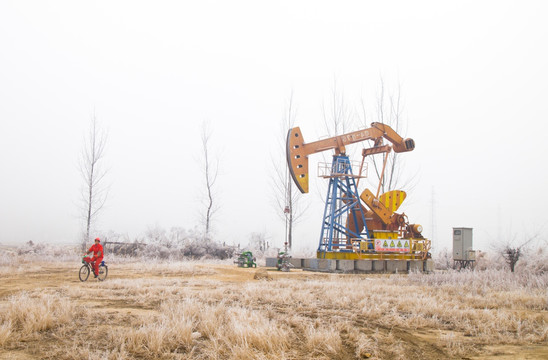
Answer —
97 250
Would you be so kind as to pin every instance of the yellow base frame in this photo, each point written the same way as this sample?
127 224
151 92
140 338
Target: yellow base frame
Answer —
336 255
420 251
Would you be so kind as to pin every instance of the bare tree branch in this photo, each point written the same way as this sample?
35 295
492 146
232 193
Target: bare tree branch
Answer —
512 253
339 119
389 110
95 192
286 200
210 172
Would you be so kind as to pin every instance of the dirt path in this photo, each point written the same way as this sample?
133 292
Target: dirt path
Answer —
418 343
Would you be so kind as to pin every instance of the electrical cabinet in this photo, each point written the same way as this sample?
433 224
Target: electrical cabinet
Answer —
462 244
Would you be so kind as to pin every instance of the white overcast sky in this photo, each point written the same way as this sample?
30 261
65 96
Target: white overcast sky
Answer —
473 78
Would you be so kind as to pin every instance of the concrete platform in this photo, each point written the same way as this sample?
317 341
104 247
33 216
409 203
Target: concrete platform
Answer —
358 266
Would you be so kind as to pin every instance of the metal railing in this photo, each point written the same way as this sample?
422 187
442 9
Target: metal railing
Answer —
339 168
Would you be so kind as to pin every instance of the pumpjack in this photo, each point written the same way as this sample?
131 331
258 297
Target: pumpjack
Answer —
358 226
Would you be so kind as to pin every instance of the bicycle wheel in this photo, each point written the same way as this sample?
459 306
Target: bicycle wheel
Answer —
84 273
103 272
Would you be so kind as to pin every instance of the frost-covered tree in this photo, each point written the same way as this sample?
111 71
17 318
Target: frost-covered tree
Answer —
287 200
512 252
93 172
389 110
210 167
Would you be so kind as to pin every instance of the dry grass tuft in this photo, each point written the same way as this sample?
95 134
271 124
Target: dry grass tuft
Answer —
5 332
322 341
32 312
262 274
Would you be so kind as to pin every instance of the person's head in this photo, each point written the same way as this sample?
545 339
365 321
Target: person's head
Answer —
97 240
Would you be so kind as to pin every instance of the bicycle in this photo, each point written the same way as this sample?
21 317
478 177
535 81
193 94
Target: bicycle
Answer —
86 269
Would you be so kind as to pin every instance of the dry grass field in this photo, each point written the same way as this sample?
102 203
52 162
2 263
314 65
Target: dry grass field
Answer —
190 310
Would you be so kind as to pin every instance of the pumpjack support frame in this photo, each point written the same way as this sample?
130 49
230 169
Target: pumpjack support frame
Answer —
342 201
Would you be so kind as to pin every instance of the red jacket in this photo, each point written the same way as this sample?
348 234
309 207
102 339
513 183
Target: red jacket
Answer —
96 248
